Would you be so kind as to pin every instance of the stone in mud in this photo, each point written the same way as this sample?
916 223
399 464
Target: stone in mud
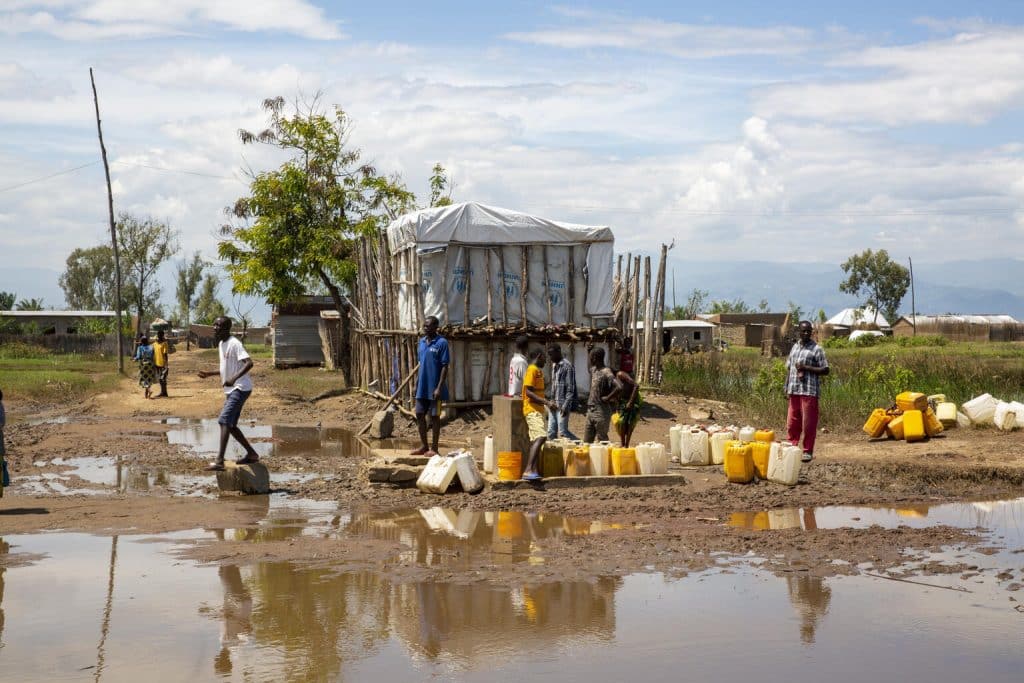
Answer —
382 425
252 479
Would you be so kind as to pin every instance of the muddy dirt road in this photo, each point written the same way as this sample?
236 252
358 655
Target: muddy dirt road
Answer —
108 466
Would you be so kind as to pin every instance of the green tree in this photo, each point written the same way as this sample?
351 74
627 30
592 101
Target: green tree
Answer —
88 279
7 300
880 282
688 311
763 306
145 245
796 313
734 306
300 223
189 275
208 307
440 187
30 305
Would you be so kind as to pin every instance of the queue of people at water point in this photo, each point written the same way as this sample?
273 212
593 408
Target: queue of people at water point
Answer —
614 399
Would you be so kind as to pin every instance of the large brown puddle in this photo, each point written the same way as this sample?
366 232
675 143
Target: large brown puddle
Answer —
126 608
203 436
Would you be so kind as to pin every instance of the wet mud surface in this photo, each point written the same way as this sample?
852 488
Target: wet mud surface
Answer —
119 463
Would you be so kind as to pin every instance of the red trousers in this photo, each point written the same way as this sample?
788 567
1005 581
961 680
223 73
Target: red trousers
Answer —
803 417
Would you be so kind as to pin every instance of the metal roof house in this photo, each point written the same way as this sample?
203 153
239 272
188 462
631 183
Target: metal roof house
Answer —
58 322
296 331
686 335
984 327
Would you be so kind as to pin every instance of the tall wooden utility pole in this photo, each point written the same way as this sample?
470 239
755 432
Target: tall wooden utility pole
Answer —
913 304
113 229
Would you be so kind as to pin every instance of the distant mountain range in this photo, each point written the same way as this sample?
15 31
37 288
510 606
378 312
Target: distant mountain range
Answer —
985 286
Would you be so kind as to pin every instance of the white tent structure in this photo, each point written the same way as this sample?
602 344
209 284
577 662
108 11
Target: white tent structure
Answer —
481 263
488 274
851 317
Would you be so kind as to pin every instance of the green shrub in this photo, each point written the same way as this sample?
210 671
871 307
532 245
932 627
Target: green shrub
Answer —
18 350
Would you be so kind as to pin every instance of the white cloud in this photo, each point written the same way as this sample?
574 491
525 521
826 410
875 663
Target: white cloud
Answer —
969 78
702 41
105 19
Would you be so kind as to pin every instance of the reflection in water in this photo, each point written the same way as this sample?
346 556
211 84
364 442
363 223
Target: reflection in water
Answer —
4 549
810 596
203 436
1006 515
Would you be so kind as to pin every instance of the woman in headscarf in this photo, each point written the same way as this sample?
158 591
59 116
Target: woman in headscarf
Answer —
147 370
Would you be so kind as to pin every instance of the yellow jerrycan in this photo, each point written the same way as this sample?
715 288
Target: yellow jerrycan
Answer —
739 464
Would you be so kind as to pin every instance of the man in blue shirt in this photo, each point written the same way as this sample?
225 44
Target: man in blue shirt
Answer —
431 384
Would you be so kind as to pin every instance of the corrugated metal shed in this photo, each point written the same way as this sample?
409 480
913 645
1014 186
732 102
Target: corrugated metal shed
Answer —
297 331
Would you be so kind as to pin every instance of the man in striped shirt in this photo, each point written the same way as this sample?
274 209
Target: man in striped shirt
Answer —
563 394
806 365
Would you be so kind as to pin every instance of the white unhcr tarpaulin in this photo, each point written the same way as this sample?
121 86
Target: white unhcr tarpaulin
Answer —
480 248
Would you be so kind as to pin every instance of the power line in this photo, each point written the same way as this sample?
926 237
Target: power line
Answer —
47 177
176 170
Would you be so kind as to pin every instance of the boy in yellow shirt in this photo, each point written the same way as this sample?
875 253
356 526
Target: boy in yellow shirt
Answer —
161 349
533 411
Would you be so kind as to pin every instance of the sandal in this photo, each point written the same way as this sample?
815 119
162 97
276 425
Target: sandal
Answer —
214 467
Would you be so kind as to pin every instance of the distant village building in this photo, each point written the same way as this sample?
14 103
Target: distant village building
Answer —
687 335
58 322
296 331
749 329
975 328
849 319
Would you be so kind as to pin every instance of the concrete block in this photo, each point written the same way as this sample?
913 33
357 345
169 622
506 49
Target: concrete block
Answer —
382 425
510 433
252 479
401 476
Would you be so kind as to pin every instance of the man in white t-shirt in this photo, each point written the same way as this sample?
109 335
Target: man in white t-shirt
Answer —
235 365
517 366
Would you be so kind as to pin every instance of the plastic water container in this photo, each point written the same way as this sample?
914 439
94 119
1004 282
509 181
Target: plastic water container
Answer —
1005 416
437 475
895 428
766 435
695 447
469 475
981 409
623 461
962 421
1018 408
651 458
784 465
490 464
739 464
759 451
552 463
675 435
510 465
747 433
911 400
946 412
718 441
932 426
877 421
913 426
600 459
577 462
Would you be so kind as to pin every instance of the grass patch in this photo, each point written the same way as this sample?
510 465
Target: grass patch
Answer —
55 377
862 378
304 383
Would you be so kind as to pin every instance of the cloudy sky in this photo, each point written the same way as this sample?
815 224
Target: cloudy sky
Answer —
779 131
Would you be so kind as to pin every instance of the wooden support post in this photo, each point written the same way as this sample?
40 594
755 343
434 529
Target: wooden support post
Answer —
490 285
570 288
547 283
403 385
467 272
502 288
525 285
648 319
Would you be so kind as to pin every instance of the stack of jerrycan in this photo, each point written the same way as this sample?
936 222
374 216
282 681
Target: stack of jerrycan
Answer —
912 417
441 470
